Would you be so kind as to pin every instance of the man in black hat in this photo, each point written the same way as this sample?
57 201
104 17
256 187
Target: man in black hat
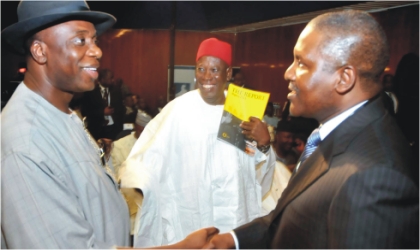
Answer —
55 191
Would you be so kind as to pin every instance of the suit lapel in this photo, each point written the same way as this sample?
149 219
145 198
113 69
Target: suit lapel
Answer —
335 143
313 168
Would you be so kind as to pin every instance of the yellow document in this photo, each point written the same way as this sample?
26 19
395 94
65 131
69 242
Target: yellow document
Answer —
240 105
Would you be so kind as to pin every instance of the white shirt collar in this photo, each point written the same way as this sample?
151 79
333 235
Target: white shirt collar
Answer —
102 88
326 128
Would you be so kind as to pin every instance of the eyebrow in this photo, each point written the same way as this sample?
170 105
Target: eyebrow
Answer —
84 32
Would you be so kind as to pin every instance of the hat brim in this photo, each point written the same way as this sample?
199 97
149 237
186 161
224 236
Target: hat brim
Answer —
17 34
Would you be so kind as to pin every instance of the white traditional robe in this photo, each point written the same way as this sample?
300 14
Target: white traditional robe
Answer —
120 151
281 178
189 179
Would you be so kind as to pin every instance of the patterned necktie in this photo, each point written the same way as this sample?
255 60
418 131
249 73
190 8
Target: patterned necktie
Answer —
313 141
105 97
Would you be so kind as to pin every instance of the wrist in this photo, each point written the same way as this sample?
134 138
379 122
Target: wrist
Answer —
224 241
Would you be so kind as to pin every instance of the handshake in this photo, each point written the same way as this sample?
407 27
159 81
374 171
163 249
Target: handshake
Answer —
207 238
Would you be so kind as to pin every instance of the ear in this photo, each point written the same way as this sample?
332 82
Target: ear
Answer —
38 50
347 79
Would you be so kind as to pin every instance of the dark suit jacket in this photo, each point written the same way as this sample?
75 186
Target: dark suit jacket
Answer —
354 191
93 108
130 118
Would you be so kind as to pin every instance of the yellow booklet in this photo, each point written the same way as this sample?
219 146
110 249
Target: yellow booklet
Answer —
240 105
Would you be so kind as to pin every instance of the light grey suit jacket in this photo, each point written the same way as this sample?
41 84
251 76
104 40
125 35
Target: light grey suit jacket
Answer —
355 191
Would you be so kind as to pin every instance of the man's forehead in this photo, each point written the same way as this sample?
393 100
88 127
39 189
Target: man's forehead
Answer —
213 60
308 37
74 26
208 57
330 41
306 31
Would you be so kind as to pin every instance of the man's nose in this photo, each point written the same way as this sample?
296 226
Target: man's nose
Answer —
95 51
208 74
288 74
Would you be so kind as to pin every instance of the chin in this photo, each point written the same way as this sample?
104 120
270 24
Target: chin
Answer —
292 112
88 86
295 111
206 94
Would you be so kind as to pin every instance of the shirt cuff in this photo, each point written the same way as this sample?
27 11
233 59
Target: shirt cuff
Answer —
235 239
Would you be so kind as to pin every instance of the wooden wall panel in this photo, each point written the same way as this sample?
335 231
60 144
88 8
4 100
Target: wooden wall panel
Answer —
264 56
401 26
140 58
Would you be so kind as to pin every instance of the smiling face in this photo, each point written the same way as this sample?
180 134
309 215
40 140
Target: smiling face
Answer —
311 79
212 74
299 146
284 141
72 55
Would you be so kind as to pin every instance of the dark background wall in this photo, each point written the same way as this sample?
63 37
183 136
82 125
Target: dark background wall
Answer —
141 57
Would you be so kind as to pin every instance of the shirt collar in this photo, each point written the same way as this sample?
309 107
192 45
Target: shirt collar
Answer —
326 128
102 88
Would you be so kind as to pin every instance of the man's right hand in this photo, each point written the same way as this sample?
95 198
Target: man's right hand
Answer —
221 241
194 240
108 111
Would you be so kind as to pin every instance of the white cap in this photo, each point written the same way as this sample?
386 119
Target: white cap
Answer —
142 118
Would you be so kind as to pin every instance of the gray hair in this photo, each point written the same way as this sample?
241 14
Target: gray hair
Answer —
354 37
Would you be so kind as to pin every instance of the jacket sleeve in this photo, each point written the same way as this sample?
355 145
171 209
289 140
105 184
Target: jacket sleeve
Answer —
255 234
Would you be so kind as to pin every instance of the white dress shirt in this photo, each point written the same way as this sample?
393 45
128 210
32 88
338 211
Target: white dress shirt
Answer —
107 117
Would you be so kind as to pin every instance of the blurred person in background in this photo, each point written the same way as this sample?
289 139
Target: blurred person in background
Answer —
103 107
269 116
283 144
406 83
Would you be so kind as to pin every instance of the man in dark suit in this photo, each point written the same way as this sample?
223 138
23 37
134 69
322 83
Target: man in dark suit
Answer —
103 107
355 190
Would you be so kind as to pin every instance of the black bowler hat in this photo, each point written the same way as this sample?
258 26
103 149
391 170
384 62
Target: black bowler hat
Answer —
34 16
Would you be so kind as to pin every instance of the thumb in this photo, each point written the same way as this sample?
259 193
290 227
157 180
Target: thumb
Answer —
211 231
253 119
